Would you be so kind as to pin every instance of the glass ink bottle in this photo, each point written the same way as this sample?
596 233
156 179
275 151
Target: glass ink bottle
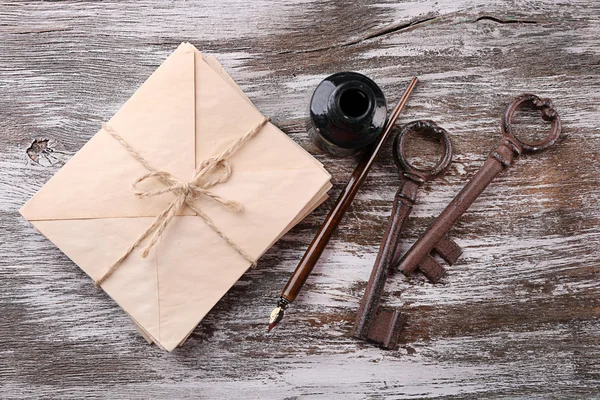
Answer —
347 112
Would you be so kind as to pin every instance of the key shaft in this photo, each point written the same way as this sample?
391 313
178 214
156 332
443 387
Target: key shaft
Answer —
372 323
495 164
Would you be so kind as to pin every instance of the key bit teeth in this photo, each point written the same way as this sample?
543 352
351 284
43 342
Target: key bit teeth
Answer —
432 269
385 328
448 250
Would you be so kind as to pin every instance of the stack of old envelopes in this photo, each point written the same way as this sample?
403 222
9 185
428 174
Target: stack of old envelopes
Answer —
189 171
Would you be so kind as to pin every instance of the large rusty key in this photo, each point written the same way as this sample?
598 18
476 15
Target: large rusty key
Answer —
435 239
373 322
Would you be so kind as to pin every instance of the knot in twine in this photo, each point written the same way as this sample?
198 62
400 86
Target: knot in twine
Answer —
185 194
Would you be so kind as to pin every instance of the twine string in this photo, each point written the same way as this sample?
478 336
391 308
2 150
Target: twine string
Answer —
185 194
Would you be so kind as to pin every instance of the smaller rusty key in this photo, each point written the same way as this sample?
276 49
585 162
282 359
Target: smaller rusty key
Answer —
435 239
373 322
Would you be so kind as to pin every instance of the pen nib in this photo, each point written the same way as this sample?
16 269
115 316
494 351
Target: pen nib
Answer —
277 313
276 317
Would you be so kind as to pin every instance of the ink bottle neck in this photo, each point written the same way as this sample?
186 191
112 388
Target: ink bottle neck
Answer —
351 105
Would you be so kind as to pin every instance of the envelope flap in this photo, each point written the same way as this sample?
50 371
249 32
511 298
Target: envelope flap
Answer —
94 244
192 278
222 115
271 200
158 120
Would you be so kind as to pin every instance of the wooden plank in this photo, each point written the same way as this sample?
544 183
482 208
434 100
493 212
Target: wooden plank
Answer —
518 314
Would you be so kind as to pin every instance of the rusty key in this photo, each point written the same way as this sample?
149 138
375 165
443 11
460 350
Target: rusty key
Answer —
435 239
373 322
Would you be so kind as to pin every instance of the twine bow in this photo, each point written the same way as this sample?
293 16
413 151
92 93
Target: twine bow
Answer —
185 194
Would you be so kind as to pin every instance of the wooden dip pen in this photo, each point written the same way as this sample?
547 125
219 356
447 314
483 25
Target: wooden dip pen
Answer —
317 246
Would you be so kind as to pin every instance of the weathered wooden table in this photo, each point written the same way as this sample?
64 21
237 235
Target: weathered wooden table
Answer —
518 315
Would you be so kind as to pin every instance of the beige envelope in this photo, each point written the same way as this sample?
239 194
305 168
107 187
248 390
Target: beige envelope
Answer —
188 110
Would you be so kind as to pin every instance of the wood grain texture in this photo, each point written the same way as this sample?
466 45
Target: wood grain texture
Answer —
517 317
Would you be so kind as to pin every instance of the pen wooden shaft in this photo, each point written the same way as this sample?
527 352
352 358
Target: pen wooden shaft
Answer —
314 251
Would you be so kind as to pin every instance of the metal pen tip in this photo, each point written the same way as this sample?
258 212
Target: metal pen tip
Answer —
276 317
277 313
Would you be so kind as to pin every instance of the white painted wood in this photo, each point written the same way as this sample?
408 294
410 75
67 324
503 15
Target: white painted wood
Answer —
518 315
